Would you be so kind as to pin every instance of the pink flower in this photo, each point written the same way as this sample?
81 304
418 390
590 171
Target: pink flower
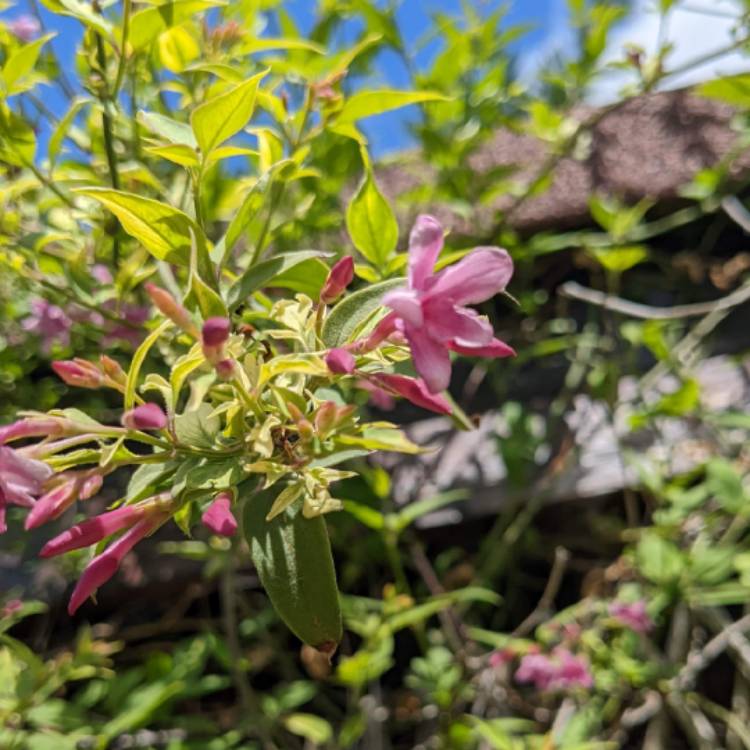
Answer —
502 657
54 503
216 331
102 274
21 480
11 607
412 389
432 310
25 27
339 278
105 565
218 516
78 372
49 322
559 671
145 417
340 361
632 615
131 329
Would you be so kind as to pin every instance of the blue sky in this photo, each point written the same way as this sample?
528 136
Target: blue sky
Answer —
391 130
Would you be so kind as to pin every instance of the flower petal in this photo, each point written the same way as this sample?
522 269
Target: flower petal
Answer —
425 244
405 303
495 349
412 389
445 322
481 274
431 359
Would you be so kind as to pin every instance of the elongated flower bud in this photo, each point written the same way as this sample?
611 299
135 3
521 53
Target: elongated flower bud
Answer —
171 308
79 373
325 418
213 337
33 427
412 389
104 566
339 278
145 417
218 516
53 504
112 369
340 361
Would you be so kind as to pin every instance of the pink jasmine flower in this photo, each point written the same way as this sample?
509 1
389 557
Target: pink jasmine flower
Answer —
412 389
218 516
54 503
431 311
171 308
340 361
49 322
537 669
502 657
145 417
21 480
559 671
79 372
105 565
214 335
25 27
102 274
632 615
339 278
134 315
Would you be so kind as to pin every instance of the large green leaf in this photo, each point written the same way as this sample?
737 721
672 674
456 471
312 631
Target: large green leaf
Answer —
224 115
370 103
353 310
81 11
17 139
171 130
164 231
371 223
146 25
292 555
21 63
261 274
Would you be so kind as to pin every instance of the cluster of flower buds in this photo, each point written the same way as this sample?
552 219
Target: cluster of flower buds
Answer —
81 373
168 306
214 337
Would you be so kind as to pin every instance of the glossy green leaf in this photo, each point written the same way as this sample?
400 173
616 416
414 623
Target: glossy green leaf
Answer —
370 103
21 63
313 728
263 273
148 24
292 555
137 362
224 115
169 129
349 314
371 223
164 231
63 129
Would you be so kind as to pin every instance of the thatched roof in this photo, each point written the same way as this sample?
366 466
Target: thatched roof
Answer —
648 147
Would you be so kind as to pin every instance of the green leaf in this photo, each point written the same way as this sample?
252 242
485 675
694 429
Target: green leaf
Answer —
171 130
370 103
138 359
177 49
344 320
198 428
81 11
620 259
203 282
63 129
312 728
414 511
164 231
371 223
21 63
734 90
223 116
178 153
146 480
419 613
261 274
292 555
146 25
382 439
659 560
17 139
306 277
267 43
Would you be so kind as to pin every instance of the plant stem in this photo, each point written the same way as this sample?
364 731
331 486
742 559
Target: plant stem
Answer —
128 7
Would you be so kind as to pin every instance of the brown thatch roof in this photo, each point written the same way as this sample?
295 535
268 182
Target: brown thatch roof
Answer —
647 147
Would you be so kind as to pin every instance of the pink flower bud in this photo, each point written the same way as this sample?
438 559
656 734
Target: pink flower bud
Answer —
226 369
25 27
216 331
11 607
340 361
90 486
79 372
95 529
339 278
112 369
412 389
33 427
53 504
104 566
218 516
387 327
632 615
171 308
145 417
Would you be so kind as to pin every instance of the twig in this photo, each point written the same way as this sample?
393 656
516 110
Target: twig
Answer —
736 211
633 717
544 607
573 290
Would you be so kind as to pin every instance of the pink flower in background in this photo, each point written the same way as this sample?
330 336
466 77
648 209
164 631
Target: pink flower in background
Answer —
412 389
54 503
431 311
378 397
218 516
560 670
49 322
632 615
21 480
25 27
134 315
102 274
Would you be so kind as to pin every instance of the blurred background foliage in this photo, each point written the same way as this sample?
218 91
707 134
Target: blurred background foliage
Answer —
629 294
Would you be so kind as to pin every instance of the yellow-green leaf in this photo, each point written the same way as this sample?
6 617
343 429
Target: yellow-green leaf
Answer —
370 103
371 223
22 62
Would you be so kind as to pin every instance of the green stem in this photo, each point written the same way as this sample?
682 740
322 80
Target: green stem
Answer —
128 7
